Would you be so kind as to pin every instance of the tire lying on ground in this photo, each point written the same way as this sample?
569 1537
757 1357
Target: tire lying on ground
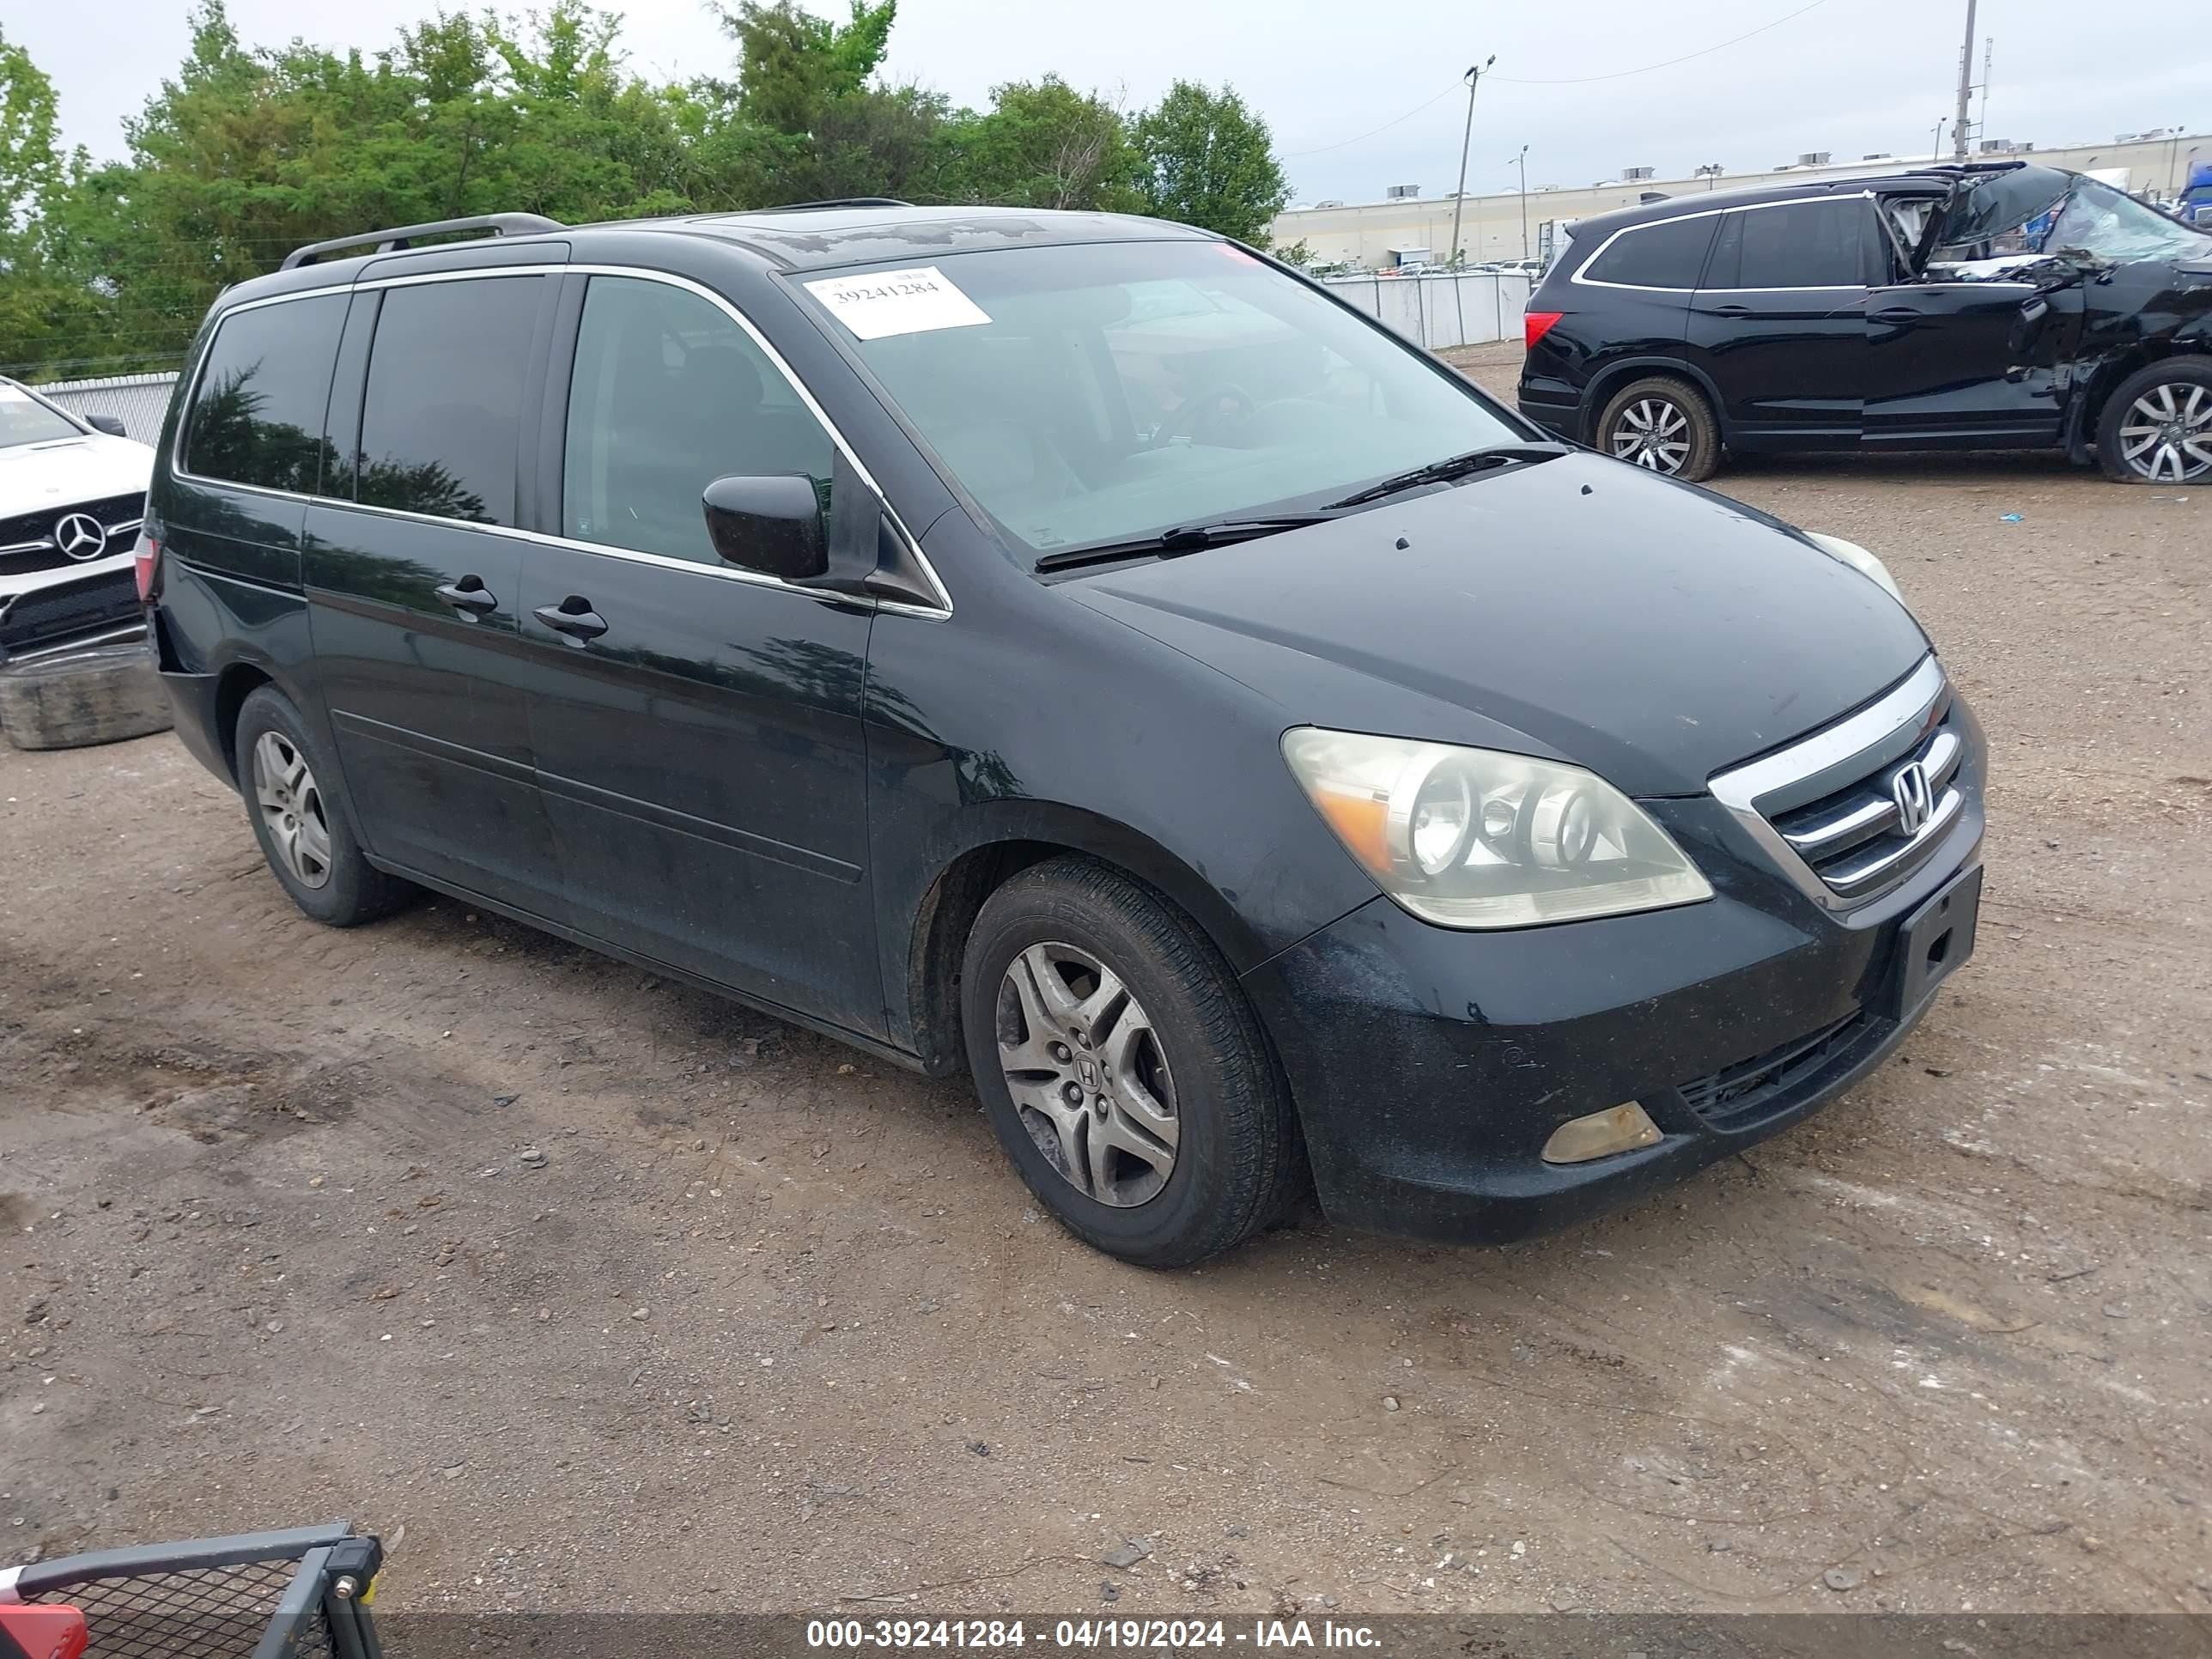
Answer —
68 700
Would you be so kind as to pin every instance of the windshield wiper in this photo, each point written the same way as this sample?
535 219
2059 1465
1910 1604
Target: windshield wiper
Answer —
1453 466
1185 539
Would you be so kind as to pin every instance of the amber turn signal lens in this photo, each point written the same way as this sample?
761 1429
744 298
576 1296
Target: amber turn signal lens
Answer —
1616 1129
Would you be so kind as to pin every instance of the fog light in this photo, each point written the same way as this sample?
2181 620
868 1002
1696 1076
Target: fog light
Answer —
1619 1129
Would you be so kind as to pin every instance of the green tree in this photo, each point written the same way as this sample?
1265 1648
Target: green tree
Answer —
30 161
1209 160
1044 144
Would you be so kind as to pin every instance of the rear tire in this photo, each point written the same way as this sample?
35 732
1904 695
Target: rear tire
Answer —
303 822
1168 1059
2156 427
1662 424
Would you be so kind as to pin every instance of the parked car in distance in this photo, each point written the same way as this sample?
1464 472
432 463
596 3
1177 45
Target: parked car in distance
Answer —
2001 306
72 490
1075 650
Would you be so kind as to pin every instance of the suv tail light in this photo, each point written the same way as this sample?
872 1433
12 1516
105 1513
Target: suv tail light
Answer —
1535 325
147 566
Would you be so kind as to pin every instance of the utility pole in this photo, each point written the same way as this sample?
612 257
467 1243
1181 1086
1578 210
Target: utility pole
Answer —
1522 158
1936 154
1962 121
1472 78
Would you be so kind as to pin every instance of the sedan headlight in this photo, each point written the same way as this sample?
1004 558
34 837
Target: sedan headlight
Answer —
1474 838
1859 560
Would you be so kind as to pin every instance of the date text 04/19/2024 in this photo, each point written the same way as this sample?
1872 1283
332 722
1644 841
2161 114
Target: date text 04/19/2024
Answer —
1143 1634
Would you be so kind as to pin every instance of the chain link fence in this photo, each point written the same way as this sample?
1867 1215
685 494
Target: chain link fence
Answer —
138 400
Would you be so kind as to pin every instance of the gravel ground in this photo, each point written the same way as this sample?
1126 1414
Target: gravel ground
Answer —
588 1291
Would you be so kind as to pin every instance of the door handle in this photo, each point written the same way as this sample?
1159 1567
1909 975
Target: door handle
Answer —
1897 314
469 596
574 619
1731 311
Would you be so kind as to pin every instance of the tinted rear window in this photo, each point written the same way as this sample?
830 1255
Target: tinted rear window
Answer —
1801 245
441 421
257 415
1668 255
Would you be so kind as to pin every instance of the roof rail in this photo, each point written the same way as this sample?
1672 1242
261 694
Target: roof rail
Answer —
834 202
389 241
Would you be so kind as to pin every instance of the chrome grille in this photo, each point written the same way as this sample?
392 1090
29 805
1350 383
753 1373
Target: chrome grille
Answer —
1852 811
26 540
1855 839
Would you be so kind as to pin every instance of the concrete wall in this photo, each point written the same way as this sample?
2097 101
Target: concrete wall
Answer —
1435 311
1492 224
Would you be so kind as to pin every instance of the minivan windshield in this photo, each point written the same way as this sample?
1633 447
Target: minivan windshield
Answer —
25 419
1093 395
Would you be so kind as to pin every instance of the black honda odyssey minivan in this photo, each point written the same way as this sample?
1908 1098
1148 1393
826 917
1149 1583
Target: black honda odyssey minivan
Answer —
1079 650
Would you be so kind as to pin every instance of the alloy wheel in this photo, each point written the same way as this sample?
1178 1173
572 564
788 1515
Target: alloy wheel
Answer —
2166 436
292 806
1089 1079
1652 433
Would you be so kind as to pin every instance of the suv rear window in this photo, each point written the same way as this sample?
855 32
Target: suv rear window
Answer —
442 420
257 415
1669 254
1796 245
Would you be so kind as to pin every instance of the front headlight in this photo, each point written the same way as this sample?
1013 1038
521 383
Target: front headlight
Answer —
1859 560
1473 838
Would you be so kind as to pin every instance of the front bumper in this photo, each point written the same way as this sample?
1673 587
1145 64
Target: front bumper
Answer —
1431 1066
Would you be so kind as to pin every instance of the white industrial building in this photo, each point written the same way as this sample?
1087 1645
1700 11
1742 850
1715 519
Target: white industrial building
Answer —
1407 226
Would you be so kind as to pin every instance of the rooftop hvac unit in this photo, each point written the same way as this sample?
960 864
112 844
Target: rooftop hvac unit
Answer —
1997 146
1631 174
1400 192
1814 158
1875 155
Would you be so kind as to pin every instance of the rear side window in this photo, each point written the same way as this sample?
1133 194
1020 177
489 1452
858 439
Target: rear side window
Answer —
1800 245
668 395
256 414
1666 255
441 419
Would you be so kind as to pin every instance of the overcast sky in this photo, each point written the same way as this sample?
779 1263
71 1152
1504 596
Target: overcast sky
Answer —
1846 75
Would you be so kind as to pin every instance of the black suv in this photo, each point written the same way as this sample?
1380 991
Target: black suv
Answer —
1080 651
2005 306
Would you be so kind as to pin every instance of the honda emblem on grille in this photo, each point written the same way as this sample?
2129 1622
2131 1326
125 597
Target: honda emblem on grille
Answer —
1915 802
80 535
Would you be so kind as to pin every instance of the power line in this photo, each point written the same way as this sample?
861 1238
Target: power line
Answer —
1622 74
1567 80
1385 127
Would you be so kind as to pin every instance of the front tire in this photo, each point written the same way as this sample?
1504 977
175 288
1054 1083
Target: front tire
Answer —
304 825
2156 427
1664 425
1122 1068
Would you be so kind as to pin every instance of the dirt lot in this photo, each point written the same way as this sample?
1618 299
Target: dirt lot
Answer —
589 1291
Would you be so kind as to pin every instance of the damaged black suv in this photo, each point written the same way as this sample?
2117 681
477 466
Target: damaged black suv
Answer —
2005 306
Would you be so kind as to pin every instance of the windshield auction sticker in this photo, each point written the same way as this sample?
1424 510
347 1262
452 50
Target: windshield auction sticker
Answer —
875 303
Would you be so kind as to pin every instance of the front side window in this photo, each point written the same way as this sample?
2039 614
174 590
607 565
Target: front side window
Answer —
25 419
1092 395
442 420
1796 245
668 395
1667 255
256 413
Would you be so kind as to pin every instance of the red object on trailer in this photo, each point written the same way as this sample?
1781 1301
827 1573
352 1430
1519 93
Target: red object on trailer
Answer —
29 1630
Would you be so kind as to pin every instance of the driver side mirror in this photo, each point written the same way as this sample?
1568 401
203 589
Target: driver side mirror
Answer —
110 425
771 525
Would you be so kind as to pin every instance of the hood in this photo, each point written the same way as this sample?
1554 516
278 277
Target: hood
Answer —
1577 608
35 476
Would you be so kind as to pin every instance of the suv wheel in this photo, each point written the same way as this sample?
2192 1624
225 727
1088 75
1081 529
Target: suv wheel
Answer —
304 827
2157 427
1122 1069
1663 424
